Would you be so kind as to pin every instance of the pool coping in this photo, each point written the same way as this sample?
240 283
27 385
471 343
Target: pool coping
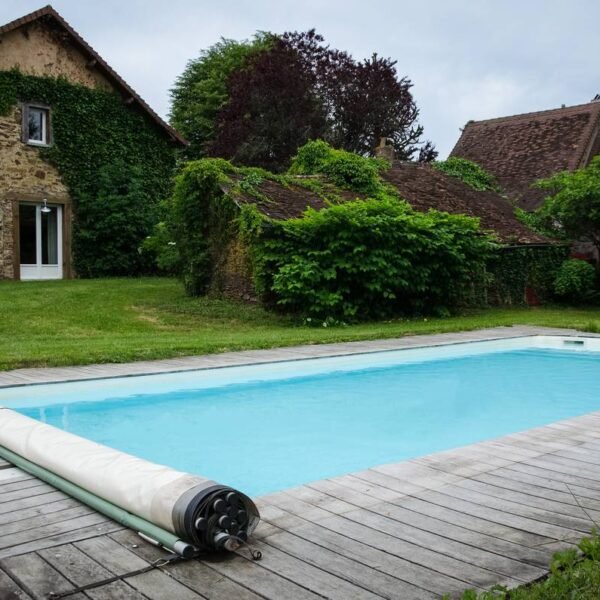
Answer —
44 375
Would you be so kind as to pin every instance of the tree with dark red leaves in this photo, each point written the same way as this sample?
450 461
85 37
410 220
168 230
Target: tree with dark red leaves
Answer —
298 89
272 110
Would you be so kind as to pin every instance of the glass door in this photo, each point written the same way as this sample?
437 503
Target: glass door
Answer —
40 241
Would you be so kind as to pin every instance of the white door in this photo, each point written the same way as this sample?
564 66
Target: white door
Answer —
40 241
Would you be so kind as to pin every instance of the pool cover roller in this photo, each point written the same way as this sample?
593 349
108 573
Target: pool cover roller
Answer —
181 511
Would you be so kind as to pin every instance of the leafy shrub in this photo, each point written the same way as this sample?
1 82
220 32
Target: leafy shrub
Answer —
344 169
161 249
540 222
368 259
203 219
575 280
468 172
572 207
112 224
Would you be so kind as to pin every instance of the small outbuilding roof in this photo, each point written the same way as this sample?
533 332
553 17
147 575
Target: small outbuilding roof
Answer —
520 149
422 187
49 15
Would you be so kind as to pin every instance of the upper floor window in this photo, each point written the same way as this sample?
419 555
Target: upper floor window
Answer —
36 125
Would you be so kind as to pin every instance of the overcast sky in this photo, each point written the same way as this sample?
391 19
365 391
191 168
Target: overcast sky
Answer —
467 59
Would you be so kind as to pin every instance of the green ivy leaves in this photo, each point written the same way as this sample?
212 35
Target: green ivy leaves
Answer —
109 155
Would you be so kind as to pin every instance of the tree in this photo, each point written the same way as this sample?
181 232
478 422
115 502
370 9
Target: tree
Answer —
375 103
200 92
573 206
272 110
288 89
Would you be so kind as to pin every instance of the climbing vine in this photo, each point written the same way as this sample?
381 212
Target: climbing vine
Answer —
468 172
115 161
514 269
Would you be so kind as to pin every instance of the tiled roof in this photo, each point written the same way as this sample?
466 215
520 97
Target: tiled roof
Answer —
281 202
423 188
128 93
521 149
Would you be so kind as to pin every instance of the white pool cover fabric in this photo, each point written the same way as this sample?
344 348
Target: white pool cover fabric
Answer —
168 498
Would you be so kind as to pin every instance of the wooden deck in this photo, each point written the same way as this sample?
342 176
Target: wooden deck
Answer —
486 514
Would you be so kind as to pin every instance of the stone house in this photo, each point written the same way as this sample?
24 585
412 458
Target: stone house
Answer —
35 204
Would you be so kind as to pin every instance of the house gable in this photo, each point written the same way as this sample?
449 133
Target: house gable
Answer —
518 150
39 49
42 43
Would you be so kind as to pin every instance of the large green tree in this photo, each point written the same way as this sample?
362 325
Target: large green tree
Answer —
200 92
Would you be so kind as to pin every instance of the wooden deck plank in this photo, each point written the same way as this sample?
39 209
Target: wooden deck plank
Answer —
66 536
532 489
301 561
14 540
10 590
548 530
33 524
262 581
373 518
570 525
19 483
31 501
571 509
587 487
378 515
394 508
390 568
37 577
115 591
16 516
73 564
27 492
157 585
380 539
449 514
193 574
502 565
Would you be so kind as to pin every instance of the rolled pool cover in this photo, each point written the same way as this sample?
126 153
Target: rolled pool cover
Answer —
199 511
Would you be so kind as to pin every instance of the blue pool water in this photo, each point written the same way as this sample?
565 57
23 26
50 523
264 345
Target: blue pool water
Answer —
264 436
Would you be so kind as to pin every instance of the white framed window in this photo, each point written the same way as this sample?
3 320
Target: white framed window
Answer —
36 125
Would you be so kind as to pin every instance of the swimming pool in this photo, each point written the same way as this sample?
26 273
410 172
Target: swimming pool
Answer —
263 428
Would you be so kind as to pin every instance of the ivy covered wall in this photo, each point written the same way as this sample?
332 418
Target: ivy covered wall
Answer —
116 163
515 270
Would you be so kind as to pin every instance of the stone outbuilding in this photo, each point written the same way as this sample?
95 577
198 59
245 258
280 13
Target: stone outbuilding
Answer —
35 204
420 185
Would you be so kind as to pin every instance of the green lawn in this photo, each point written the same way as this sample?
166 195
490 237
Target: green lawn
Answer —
115 320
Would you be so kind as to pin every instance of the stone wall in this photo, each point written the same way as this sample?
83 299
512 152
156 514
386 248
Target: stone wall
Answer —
38 50
232 275
23 176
